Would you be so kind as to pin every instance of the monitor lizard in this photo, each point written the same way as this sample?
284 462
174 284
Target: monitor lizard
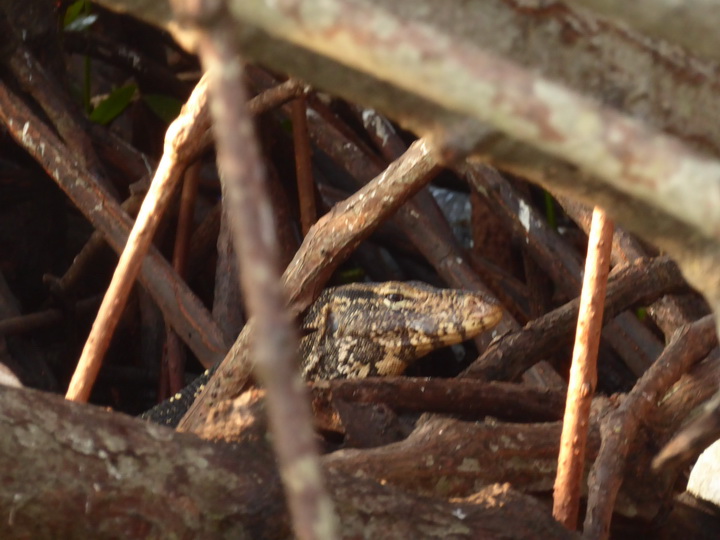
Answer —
365 329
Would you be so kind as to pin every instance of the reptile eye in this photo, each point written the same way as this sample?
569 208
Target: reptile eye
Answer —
395 297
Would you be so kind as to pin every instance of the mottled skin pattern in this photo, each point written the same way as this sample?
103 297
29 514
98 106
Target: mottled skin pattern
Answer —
363 329
370 329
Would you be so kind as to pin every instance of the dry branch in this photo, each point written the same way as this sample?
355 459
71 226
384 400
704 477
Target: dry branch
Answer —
509 357
621 151
691 24
128 478
618 430
274 349
630 339
525 455
583 372
303 165
65 116
676 203
179 305
465 397
180 141
327 244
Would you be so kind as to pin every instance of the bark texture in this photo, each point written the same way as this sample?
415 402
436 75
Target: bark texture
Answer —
75 471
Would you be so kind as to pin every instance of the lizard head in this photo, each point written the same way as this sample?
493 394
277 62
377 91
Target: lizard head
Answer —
366 329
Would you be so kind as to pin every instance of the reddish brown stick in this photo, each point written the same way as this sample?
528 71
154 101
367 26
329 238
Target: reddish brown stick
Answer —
172 377
619 429
158 196
303 167
583 373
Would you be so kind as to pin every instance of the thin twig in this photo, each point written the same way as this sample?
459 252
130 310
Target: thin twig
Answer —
583 373
507 358
303 167
326 246
619 429
172 374
50 95
184 310
43 319
170 169
251 220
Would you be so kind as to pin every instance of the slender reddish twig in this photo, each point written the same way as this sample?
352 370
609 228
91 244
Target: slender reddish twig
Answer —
303 167
184 140
619 429
583 373
172 376
169 171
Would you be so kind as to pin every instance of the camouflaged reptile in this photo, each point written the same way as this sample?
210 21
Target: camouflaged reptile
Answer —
367 329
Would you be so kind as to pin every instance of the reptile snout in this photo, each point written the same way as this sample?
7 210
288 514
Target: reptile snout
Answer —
482 314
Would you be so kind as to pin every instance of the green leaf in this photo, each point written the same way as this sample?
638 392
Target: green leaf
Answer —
166 107
111 107
550 214
73 13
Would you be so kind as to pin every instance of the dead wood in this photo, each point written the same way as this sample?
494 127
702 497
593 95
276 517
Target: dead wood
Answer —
441 457
483 453
507 358
463 397
627 335
326 245
675 224
250 219
80 472
104 212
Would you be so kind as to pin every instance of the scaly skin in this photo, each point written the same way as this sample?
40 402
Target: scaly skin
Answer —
357 330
